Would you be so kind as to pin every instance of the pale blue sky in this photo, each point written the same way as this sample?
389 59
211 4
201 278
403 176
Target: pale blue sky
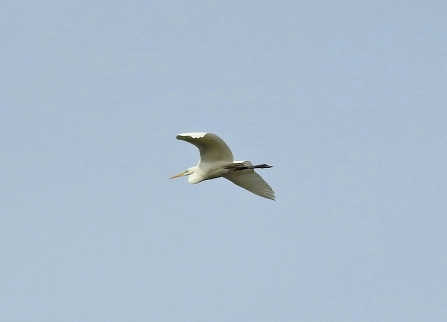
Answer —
347 99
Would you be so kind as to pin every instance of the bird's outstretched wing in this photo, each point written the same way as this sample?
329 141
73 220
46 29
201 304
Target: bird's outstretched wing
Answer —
212 148
251 181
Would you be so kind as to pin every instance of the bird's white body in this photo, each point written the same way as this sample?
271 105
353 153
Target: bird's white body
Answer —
216 160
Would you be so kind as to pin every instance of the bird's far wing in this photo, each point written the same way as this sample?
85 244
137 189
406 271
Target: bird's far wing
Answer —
251 181
212 148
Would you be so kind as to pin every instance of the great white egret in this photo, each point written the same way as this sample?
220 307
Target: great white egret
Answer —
216 160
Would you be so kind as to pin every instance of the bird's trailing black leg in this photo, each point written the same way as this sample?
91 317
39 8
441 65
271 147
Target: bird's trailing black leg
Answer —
237 167
262 166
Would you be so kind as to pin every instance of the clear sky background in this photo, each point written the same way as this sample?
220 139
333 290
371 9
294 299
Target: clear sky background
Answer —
347 99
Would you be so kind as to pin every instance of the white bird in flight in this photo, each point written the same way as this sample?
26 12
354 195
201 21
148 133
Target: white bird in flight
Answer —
216 160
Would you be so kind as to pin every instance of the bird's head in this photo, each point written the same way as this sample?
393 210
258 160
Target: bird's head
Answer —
187 172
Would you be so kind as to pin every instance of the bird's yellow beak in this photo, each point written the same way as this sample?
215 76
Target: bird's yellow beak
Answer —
178 175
